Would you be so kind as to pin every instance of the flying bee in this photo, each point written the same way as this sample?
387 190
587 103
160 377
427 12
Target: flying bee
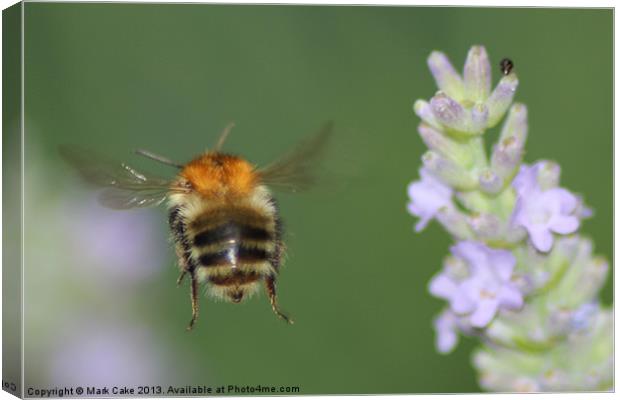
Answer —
224 221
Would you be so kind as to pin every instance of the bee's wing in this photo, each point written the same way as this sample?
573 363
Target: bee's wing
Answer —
124 186
296 170
123 199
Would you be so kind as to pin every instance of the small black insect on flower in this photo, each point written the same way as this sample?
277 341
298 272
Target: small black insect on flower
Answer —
506 66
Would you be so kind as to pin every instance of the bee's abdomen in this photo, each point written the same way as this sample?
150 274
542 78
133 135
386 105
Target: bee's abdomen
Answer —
234 239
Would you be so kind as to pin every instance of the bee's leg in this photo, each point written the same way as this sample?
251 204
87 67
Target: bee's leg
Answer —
270 284
180 278
184 263
194 297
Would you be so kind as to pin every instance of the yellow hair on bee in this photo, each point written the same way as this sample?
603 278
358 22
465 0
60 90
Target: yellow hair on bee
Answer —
225 293
221 175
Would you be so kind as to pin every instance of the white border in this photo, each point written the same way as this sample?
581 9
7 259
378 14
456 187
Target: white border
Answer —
479 3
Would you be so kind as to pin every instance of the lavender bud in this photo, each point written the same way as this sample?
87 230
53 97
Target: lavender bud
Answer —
582 279
490 182
479 117
448 80
474 201
583 318
506 157
501 98
477 74
501 332
451 114
548 175
515 124
486 226
439 142
582 362
514 234
424 111
448 171
594 276
454 222
448 111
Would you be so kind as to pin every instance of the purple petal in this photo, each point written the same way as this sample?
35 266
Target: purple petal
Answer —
414 209
470 251
541 238
583 211
445 332
425 217
484 313
439 187
430 190
526 180
471 287
509 297
568 201
446 341
564 225
461 303
422 223
516 218
503 262
427 196
442 286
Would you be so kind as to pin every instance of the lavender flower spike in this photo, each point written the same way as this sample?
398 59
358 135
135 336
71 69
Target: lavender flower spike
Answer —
519 276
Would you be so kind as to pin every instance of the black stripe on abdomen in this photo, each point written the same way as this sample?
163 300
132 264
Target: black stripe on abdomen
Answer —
231 231
235 279
234 255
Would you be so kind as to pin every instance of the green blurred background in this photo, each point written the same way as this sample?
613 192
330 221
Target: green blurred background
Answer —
115 77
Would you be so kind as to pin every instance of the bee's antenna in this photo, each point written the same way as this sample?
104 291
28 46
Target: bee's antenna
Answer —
158 158
223 136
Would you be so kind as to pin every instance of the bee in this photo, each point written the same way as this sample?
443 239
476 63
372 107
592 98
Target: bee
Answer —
506 66
224 221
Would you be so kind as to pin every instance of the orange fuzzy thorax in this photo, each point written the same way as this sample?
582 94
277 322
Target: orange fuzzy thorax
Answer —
220 175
